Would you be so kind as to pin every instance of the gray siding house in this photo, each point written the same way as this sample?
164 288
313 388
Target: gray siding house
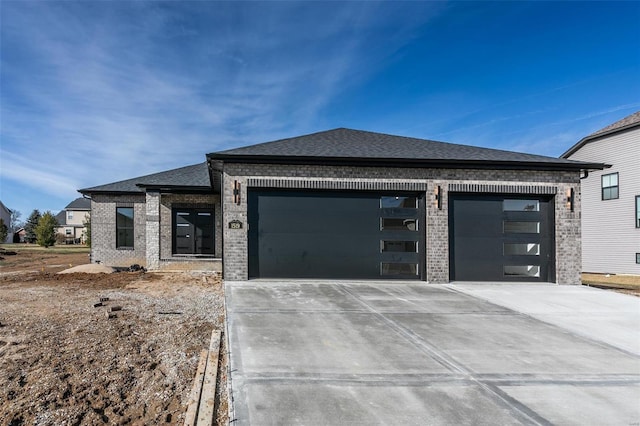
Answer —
351 204
611 198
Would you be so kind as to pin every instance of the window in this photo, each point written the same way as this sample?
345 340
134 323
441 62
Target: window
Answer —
124 227
399 246
521 249
610 186
637 211
390 268
521 270
399 202
521 206
69 215
399 224
521 227
67 232
638 258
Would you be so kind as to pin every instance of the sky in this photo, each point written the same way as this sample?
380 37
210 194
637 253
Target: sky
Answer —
94 92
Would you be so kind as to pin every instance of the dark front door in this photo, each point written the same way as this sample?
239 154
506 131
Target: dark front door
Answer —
501 238
330 234
193 231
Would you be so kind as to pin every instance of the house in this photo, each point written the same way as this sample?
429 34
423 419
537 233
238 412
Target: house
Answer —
5 215
611 198
351 204
71 221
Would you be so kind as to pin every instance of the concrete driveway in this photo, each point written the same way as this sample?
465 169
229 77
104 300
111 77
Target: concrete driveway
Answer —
327 353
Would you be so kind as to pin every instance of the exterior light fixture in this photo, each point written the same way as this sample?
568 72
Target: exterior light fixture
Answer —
571 196
236 192
439 197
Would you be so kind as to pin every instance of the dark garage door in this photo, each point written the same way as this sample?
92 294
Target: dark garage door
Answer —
501 238
331 234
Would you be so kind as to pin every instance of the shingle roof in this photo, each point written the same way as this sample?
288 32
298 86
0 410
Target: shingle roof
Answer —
356 146
628 122
80 203
195 176
61 218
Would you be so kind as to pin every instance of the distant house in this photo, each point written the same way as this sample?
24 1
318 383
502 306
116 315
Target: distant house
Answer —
71 221
350 204
21 235
611 198
5 215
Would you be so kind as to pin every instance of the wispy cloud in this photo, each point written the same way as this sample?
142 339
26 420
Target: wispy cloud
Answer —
131 88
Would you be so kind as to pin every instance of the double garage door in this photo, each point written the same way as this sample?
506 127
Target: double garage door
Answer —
335 234
368 235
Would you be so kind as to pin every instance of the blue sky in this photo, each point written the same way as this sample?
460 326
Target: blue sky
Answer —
94 92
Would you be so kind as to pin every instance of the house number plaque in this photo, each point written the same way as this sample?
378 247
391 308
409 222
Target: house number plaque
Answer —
235 224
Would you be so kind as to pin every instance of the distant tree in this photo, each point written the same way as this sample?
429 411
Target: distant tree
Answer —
46 230
87 229
15 221
4 231
30 226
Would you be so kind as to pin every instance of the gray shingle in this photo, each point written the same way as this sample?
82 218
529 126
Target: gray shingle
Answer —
80 203
194 176
347 144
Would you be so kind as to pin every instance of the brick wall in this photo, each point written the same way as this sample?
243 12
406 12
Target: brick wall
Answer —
567 223
103 230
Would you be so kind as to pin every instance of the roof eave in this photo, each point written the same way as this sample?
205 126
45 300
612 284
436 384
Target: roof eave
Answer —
405 162
592 138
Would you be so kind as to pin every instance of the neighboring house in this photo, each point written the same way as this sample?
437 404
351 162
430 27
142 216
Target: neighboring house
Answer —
350 204
71 221
22 235
5 215
611 198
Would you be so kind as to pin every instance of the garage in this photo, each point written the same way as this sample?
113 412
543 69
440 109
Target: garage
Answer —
335 234
501 238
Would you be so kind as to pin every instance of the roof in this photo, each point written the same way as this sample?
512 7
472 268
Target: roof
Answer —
192 177
348 146
629 122
80 203
61 218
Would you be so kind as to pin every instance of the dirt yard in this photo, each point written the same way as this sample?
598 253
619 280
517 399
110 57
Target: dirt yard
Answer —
63 362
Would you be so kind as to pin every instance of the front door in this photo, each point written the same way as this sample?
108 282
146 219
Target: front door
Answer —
193 231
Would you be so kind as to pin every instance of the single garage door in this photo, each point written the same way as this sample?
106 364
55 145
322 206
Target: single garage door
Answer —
335 234
501 238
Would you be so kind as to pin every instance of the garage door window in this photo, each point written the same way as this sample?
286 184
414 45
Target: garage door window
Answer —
521 249
521 227
522 270
399 202
391 269
399 246
521 206
393 224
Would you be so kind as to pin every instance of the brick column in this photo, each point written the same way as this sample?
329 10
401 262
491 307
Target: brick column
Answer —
153 229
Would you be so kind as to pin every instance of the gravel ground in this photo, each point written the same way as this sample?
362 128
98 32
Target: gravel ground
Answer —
63 362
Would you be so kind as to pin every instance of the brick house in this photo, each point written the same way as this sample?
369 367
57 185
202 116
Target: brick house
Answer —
350 204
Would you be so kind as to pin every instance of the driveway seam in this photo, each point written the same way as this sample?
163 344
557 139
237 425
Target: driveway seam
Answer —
521 410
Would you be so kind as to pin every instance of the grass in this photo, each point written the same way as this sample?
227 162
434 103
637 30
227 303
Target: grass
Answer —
57 249
614 281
